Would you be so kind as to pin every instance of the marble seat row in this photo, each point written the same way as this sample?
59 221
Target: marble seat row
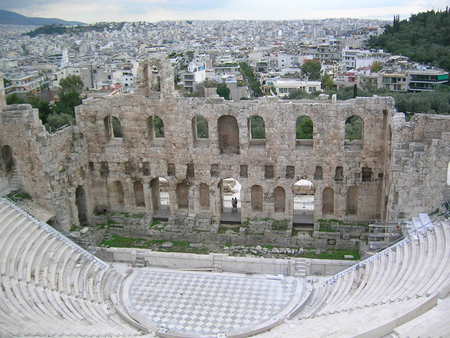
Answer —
417 266
51 286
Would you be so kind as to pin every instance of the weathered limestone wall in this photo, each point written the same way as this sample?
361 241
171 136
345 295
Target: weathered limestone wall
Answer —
420 159
47 166
125 157
223 262
112 159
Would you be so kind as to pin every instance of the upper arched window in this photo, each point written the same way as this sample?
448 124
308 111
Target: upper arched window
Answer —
158 126
155 127
200 127
257 128
113 127
354 128
116 127
304 128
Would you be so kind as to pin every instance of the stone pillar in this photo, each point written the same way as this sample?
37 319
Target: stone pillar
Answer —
2 93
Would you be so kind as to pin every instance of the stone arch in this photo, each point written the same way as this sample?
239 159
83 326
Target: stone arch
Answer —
328 201
107 126
352 201
116 127
7 158
257 127
354 128
230 200
139 196
228 131
200 127
304 198
149 125
159 187
339 174
117 194
204 196
158 127
304 128
80 201
318 173
182 191
280 199
257 196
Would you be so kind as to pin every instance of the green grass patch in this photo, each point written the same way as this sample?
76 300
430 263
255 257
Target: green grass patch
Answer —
18 195
333 254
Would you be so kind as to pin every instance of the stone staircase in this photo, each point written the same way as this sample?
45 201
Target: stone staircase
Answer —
300 268
140 260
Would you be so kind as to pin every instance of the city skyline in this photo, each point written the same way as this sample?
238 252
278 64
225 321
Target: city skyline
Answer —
158 10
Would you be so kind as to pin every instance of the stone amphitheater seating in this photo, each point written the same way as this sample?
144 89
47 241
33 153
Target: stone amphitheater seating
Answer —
52 287
384 294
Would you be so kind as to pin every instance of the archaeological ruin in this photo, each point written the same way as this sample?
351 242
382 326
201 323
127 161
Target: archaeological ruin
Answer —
206 170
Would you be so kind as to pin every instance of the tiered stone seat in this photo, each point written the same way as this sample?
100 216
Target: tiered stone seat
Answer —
51 286
417 266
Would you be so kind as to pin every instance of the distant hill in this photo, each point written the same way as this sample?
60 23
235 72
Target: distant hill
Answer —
11 18
425 38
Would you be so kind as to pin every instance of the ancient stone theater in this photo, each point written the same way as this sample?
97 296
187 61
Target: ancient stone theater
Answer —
217 171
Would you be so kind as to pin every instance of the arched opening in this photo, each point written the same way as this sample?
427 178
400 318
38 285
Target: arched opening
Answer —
117 195
354 133
280 199
150 131
182 192
200 127
80 201
107 126
352 201
318 173
204 196
139 197
230 192
7 157
339 174
257 128
116 127
328 201
158 127
228 131
257 198
303 202
304 128
159 187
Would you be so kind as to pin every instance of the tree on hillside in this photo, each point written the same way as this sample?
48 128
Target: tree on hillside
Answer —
69 95
312 69
223 91
72 83
424 37
327 82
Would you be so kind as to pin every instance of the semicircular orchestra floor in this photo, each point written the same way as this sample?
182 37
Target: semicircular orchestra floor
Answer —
199 304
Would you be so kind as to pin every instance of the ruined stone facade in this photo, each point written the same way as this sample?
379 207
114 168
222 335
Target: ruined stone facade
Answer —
112 159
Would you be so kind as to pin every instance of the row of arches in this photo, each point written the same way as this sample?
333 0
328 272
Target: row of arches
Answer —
303 195
229 130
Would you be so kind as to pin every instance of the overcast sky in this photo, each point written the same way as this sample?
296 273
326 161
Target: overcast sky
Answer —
155 10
